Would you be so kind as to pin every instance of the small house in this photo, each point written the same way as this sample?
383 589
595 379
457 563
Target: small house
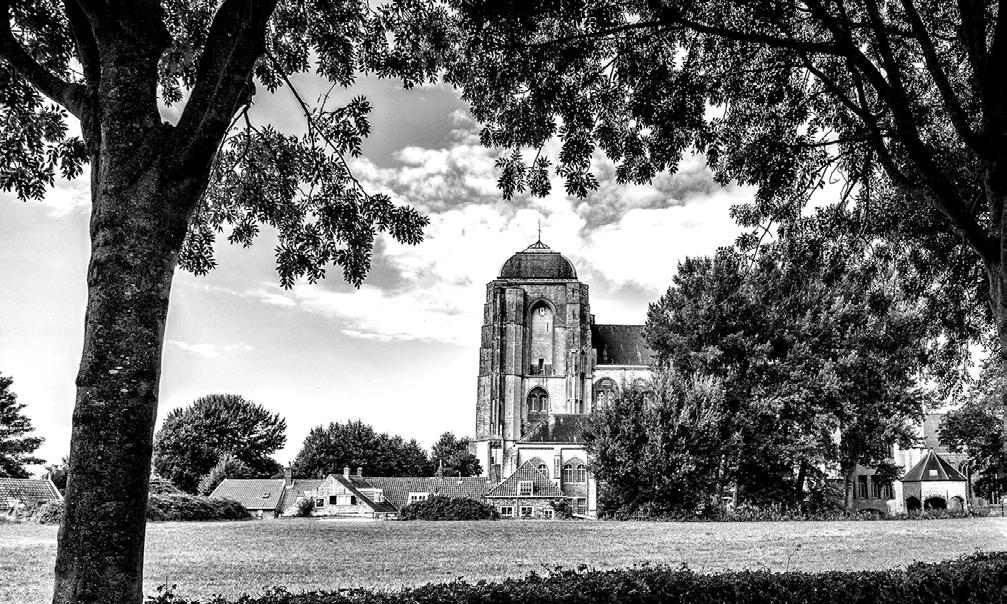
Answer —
20 493
262 497
932 484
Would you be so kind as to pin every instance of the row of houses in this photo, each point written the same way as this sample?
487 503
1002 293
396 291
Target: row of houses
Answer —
527 493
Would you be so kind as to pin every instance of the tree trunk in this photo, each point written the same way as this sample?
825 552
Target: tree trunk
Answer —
135 238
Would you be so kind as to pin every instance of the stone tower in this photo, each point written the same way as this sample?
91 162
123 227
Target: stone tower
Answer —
535 359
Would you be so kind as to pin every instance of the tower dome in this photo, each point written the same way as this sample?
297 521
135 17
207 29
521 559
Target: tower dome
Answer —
538 261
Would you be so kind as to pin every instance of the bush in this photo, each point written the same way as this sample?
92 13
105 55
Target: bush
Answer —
49 513
304 507
182 506
978 579
162 486
440 507
178 507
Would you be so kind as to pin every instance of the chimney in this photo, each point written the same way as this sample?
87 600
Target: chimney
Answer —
346 472
440 470
288 476
360 471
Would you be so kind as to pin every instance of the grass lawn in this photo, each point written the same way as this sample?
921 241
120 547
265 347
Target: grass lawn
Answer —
232 558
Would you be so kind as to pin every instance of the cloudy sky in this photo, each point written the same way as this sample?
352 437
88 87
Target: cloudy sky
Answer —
401 352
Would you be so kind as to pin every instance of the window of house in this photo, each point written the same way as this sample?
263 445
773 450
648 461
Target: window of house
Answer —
875 488
527 511
549 514
353 500
568 473
886 490
544 469
334 500
581 473
507 511
319 502
415 496
862 486
266 495
580 505
525 487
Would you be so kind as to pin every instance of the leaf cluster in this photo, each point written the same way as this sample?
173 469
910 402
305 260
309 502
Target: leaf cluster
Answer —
354 444
17 444
193 439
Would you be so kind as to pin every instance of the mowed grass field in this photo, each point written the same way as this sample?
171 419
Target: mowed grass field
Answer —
233 558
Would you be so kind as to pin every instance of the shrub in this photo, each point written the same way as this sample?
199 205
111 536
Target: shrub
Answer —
562 509
978 578
178 507
440 507
162 486
49 513
182 506
304 507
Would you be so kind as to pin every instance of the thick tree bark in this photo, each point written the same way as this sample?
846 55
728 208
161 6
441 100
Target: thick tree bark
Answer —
135 236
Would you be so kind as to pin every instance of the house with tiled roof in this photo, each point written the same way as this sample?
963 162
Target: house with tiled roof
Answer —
400 491
527 493
262 497
350 496
933 483
21 493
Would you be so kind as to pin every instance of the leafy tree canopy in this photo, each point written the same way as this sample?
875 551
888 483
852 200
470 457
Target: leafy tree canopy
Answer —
899 104
660 449
819 355
452 455
193 439
354 444
977 429
16 442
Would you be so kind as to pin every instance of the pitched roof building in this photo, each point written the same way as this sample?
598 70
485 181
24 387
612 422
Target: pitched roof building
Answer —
26 492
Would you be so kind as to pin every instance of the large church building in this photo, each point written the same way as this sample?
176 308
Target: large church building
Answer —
544 365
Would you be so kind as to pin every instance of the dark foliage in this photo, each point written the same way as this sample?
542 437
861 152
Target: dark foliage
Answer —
453 453
57 474
977 579
193 439
328 449
179 507
441 507
16 443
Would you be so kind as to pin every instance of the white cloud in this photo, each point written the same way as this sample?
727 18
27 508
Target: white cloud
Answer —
69 196
210 351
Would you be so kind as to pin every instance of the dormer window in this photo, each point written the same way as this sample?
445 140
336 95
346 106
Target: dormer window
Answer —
525 488
266 495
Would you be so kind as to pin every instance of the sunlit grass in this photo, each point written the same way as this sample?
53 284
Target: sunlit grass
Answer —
232 558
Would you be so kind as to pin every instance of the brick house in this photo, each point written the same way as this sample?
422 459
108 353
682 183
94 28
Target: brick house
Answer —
262 497
349 496
526 494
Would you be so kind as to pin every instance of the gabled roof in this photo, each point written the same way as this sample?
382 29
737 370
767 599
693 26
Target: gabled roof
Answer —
620 345
396 489
28 491
541 486
253 493
932 467
354 484
560 428
296 489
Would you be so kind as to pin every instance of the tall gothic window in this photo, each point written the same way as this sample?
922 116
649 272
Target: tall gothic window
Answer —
568 473
581 473
538 401
541 349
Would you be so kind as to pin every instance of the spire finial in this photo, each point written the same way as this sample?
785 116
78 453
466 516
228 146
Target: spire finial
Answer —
539 231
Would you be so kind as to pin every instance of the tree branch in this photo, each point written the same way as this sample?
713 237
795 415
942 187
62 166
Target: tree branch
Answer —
235 41
84 39
957 113
66 94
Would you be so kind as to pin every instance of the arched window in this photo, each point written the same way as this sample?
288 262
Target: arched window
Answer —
568 473
581 473
541 348
604 393
544 469
538 401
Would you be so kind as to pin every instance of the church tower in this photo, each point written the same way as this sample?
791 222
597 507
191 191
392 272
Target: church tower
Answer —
535 359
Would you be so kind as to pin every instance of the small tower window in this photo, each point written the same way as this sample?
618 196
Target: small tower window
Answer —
538 401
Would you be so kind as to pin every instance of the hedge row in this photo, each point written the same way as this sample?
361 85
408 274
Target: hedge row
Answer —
980 578
175 506
440 507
